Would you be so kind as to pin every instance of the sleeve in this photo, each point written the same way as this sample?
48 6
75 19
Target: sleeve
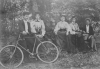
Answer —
26 26
78 27
43 28
56 28
32 27
70 30
92 32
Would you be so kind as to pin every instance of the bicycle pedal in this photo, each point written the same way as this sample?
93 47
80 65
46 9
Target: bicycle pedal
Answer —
32 56
28 50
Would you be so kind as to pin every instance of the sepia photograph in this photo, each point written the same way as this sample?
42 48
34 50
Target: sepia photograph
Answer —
49 34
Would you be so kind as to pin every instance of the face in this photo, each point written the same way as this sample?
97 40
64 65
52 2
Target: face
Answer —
26 18
74 20
87 22
52 20
37 16
62 18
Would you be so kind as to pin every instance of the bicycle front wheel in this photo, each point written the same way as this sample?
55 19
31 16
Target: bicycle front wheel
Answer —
11 56
47 52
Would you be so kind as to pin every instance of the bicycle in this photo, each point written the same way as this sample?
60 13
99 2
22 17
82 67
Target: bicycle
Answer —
13 56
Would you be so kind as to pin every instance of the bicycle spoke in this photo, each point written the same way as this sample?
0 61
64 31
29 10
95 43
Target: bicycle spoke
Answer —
47 52
11 56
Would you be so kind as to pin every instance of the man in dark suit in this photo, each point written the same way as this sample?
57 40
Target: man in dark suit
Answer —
89 31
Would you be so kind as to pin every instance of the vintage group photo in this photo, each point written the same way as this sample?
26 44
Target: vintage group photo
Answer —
49 34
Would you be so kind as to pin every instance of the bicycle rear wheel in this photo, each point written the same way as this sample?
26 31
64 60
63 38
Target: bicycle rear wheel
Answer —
11 56
47 52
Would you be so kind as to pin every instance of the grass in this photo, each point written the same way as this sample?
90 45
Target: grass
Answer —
90 60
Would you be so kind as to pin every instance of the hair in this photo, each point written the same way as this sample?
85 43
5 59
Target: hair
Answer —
73 18
63 16
36 14
88 19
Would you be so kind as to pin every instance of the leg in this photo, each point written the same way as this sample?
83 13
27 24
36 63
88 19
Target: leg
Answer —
30 43
93 45
90 41
22 42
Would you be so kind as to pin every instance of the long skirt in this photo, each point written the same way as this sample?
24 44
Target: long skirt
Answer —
65 43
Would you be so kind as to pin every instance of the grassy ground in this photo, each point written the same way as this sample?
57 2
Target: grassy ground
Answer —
90 60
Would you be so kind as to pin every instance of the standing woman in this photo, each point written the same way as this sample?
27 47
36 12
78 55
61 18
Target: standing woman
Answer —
62 30
37 26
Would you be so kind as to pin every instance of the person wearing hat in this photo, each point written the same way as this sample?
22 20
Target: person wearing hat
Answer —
25 31
26 20
88 31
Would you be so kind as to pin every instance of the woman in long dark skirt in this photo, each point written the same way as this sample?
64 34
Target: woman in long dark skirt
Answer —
62 30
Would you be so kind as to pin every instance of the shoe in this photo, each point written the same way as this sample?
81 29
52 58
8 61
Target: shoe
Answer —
32 56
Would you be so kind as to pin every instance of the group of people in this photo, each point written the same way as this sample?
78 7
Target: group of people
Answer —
69 37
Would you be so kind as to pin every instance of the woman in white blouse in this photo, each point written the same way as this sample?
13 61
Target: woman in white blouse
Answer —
37 26
75 28
76 36
63 30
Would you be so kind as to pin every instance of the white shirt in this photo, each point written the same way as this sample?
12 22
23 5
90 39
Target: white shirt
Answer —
71 29
26 26
87 28
62 25
74 27
40 24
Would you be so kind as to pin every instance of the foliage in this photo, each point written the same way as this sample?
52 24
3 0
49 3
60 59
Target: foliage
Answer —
12 11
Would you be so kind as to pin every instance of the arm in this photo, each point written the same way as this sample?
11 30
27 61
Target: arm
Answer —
69 29
26 26
56 28
32 27
43 28
78 27
91 32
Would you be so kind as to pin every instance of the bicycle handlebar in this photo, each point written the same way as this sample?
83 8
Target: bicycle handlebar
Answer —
27 36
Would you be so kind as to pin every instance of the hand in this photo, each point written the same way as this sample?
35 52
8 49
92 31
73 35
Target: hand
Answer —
24 32
90 36
67 33
76 32
40 36
84 32
55 33
33 31
80 30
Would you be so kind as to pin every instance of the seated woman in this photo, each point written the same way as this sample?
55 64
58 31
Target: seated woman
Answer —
62 30
96 35
75 28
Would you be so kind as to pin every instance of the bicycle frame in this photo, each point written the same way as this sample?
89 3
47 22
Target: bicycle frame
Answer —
33 52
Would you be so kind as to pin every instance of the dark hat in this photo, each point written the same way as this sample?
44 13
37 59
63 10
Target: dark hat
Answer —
88 19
